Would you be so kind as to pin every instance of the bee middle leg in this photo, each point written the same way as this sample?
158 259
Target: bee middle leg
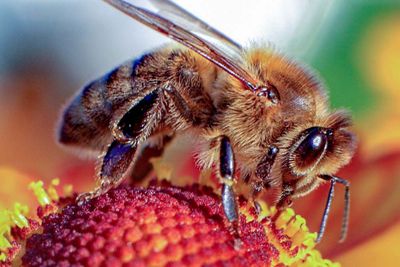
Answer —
226 172
186 117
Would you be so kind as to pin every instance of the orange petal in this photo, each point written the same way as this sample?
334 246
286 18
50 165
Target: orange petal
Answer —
384 247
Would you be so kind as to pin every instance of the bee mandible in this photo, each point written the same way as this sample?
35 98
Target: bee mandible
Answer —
261 118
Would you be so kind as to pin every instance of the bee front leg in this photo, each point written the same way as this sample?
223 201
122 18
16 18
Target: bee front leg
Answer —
262 173
285 200
226 172
345 220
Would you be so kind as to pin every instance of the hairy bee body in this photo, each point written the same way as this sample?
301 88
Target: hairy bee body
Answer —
260 118
216 105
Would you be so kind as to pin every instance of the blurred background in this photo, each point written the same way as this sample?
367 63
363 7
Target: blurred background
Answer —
49 49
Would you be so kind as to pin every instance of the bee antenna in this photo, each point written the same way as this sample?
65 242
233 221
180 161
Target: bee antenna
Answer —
346 212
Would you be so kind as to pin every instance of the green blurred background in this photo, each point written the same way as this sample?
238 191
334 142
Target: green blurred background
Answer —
49 49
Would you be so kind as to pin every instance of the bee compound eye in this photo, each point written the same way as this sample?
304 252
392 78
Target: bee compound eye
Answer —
311 148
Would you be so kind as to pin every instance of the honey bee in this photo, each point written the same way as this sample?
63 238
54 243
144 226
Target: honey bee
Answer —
263 118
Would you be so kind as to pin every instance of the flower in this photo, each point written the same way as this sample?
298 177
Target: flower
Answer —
158 225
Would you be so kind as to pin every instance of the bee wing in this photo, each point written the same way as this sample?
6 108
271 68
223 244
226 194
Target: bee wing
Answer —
187 29
182 17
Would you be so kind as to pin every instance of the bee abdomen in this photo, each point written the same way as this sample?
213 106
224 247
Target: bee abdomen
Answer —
86 121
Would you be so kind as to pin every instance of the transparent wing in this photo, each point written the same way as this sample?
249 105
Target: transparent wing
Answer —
185 28
182 17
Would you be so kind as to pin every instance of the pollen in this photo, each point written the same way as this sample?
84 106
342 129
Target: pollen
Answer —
10 220
40 193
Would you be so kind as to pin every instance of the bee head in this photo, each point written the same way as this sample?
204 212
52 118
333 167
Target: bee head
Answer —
323 149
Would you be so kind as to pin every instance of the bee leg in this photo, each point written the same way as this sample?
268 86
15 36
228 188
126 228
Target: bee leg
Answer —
284 203
285 200
257 207
226 172
262 173
115 163
139 121
345 221
256 188
142 165
180 104
133 128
